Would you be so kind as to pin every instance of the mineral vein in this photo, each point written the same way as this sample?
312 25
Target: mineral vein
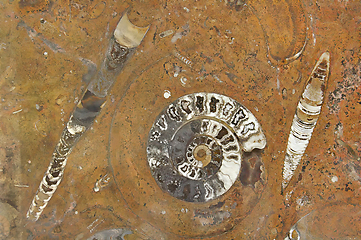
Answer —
305 119
125 40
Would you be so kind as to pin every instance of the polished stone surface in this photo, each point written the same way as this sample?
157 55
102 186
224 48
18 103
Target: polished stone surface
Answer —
259 53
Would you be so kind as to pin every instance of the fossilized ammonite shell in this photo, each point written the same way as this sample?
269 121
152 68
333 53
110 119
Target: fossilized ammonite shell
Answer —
195 145
188 164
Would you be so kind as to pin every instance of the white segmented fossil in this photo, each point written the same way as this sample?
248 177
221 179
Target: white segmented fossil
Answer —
166 33
54 173
122 44
182 58
305 119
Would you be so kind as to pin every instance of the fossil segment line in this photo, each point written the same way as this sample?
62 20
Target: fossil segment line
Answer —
307 112
123 43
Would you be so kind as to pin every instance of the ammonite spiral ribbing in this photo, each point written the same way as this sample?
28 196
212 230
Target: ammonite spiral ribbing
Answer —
195 145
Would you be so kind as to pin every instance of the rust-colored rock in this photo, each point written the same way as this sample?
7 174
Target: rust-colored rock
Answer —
257 53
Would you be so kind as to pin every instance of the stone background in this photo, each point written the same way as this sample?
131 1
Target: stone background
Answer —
259 53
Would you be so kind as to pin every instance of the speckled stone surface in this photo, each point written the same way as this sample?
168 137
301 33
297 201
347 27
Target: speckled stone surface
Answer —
259 53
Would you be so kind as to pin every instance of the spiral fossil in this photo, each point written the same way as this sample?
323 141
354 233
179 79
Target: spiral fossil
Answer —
196 144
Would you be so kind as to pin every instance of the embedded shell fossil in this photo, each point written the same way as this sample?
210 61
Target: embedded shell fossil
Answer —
196 144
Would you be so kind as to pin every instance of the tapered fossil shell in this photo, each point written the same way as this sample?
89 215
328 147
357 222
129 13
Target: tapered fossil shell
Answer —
307 112
122 44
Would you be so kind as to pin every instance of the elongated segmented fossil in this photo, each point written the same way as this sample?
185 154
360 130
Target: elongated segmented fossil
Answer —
123 43
182 58
305 119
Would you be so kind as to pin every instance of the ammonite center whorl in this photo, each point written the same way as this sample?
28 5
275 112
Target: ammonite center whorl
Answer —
195 145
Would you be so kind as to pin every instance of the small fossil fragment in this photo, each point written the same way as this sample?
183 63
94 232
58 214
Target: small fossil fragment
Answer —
166 33
122 45
182 58
307 112
117 233
338 220
101 183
